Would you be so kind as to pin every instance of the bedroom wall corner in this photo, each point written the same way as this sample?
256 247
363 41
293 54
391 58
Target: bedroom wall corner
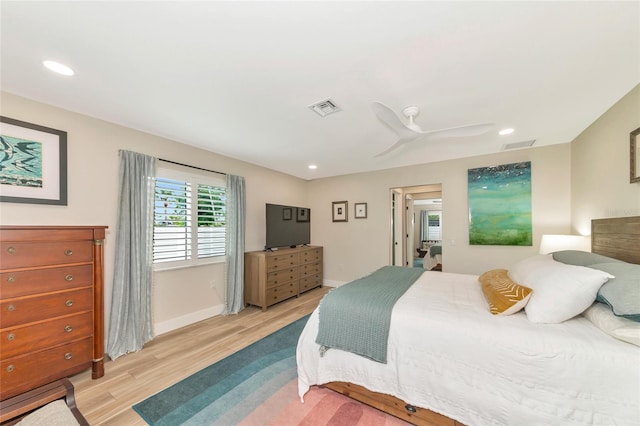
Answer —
600 160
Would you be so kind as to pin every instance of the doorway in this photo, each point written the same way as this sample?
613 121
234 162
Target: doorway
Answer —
410 227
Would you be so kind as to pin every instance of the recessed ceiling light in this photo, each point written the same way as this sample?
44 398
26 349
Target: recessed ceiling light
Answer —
58 67
504 132
312 167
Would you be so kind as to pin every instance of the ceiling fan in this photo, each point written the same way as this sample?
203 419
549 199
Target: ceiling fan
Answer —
411 131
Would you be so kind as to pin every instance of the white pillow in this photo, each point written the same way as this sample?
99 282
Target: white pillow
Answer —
560 291
621 328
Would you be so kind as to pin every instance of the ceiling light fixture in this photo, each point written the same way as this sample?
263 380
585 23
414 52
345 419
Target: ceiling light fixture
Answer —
59 68
505 132
312 167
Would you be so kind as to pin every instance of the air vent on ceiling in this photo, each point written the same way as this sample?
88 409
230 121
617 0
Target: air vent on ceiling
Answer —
324 108
518 145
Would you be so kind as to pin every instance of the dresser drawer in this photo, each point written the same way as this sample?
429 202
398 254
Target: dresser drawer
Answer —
282 292
21 255
281 261
22 373
309 282
310 269
282 276
311 256
23 283
41 335
15 312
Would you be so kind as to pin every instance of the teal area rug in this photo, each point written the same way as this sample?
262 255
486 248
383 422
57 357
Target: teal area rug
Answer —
257 386
212 395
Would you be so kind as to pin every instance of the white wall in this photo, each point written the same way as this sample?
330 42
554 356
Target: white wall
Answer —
180 296
600 161
354 248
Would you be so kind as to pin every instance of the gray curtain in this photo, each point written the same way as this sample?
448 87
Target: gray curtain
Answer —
130 324
424 225
235 244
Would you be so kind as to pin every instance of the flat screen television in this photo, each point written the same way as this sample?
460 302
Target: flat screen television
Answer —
287 226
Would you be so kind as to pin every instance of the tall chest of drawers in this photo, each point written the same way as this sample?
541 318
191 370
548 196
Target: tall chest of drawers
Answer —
51 305
271 277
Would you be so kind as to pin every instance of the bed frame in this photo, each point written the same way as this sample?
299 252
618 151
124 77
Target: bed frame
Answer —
618 238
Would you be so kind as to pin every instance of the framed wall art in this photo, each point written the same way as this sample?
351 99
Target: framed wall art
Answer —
360 210
33 163
286 213
303 214
339 213
500 205
635 156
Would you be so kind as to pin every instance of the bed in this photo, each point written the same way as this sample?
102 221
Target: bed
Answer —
433 257
450 361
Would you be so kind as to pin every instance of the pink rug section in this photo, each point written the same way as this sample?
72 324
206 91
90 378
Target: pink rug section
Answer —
321 407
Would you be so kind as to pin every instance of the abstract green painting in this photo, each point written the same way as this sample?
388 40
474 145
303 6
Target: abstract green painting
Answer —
500 205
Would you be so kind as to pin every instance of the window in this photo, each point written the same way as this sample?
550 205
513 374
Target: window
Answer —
189 219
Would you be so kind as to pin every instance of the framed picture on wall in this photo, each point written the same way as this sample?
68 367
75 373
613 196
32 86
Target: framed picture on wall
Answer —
303 214
339 213
33 163
360 210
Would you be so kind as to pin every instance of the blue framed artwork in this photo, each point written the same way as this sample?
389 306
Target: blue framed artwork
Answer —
500 205
33 163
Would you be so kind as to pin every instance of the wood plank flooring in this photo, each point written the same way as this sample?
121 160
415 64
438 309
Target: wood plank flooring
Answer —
173 356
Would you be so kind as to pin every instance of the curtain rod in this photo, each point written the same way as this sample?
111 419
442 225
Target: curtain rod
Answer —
193 167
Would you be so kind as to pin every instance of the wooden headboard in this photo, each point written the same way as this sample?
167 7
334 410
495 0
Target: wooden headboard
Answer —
617 237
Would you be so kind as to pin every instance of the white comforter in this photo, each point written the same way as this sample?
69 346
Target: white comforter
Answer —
447 353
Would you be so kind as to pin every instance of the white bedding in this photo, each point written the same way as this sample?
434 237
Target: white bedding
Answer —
447 353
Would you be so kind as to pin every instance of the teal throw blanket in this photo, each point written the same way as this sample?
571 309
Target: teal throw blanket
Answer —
356 316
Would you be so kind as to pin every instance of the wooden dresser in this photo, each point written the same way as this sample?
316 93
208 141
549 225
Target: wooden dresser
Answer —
273 276
51 304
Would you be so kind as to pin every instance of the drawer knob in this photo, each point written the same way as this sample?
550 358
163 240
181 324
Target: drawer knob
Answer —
11 308
68 329
11 250
11 279
69 303
68 355
11 336
10 368
68 277
68 252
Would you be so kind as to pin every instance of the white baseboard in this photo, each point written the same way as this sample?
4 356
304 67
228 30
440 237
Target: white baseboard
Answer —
191 318
330 283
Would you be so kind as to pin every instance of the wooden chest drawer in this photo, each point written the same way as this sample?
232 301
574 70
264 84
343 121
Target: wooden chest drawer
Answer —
276 294
22 283
310 269
311 256
40 335
282 276
22 373
14 312
22 255
309 282
282 261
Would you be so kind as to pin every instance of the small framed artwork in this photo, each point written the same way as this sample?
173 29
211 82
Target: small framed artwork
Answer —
303 215
360 210
286 213
339 213
33 163
635 156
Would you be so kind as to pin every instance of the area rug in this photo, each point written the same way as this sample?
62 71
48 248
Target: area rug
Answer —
256 386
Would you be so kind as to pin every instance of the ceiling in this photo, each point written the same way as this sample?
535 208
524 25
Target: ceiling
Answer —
237 78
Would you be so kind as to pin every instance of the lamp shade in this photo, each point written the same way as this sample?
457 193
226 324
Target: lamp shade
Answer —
551 243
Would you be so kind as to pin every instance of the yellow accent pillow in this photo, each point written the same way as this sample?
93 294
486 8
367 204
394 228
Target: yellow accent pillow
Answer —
504 296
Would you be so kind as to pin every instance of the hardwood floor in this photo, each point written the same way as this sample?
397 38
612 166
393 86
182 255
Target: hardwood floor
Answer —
173 356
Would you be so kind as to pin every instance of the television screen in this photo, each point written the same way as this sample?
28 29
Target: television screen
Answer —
287 226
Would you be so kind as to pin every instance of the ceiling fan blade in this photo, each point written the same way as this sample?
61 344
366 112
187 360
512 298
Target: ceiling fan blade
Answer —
461 131
388 117
399 143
